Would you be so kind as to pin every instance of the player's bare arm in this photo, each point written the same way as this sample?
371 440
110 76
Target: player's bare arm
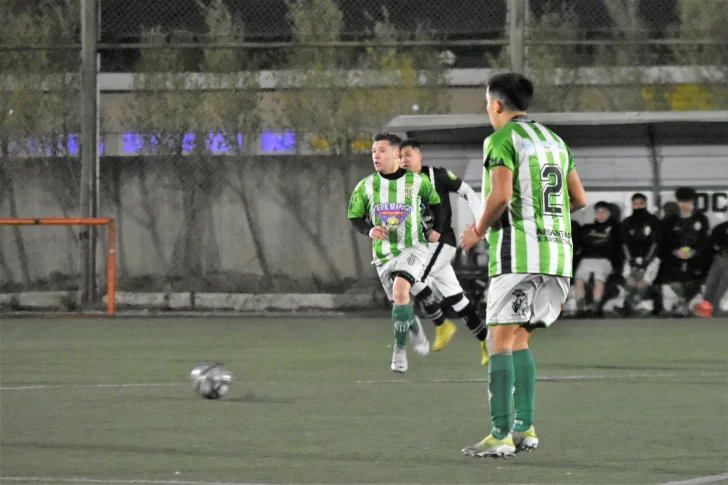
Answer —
501 179
577 194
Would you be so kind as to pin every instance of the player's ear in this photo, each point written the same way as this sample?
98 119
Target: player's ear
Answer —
499 108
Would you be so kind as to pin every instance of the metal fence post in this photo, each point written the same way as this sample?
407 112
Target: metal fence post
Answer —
517 35
89 32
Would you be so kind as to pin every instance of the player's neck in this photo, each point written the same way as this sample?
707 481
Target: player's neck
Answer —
393 175
514 116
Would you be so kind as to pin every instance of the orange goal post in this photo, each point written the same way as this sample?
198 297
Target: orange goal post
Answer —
110 224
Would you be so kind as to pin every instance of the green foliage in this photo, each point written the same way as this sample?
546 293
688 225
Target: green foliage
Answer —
337 106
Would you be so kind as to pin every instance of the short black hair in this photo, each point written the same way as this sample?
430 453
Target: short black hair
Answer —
514 90
639 196
393 139
602 205
409 142
686 194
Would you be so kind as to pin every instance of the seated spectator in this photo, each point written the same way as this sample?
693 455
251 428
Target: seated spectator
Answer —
684 250
716 284
600 252
640 233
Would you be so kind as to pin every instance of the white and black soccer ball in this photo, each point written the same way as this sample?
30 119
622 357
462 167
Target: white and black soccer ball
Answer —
211 381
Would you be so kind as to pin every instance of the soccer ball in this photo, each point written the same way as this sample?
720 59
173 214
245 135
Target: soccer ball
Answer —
211 381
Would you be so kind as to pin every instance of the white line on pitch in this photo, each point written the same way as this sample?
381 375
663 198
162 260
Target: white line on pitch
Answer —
144 482
540 378
454 380
699 480
64 386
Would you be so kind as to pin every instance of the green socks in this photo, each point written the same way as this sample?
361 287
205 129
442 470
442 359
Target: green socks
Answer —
403 317
524 396
500 385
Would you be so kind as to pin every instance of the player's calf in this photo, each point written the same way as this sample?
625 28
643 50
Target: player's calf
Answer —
466 310
433 308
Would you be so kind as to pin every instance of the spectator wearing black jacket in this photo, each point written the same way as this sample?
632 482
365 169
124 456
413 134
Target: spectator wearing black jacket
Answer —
640 235
684 250
716 284
601 252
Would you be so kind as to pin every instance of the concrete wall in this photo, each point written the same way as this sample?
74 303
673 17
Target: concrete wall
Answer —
262 224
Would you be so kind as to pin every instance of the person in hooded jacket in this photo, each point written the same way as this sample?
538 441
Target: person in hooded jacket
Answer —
640 235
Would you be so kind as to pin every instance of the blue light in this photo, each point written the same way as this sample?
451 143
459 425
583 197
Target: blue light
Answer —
272 141
188 143
73 146
132 142
217 143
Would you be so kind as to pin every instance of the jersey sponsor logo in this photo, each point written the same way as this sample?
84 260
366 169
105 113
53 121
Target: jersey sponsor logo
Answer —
392 214
549 235
519 301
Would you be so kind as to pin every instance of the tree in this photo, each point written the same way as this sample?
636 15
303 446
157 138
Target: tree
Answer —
702 20
39 110
169 113
545 61
234 108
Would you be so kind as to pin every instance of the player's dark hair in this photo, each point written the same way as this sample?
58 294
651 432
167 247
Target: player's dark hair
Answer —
514 90
602 205
409 142
686 194
639 196
393 139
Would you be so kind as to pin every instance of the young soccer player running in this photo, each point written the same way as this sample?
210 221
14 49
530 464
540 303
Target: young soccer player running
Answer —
386 206
529 186
439 272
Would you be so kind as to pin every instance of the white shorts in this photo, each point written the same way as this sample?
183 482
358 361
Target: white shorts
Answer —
411 261
439 273
600 268
526 298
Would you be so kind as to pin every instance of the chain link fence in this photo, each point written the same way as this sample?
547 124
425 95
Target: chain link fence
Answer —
270 18
199 207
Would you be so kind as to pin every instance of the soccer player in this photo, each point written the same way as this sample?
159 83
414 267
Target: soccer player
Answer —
386 207
640 235
439 272
529 186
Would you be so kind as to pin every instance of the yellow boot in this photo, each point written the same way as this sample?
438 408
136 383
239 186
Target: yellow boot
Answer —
486 356
443 334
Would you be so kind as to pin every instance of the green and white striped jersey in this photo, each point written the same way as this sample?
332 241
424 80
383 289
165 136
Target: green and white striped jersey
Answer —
534 233
393 201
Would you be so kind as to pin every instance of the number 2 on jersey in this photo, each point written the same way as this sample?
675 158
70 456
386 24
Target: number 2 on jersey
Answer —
553 184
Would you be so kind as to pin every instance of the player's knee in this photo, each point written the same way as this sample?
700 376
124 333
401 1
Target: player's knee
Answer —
503 338
401 291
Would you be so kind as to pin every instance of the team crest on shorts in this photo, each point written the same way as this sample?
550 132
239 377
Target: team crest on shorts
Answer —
519 301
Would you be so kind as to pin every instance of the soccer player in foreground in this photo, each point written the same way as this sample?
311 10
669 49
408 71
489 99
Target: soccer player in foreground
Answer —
386 207
529 187
439 273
